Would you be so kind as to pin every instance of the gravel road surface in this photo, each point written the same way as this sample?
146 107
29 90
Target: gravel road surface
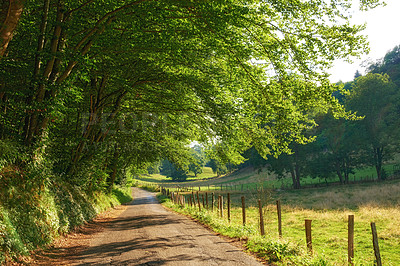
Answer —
147 234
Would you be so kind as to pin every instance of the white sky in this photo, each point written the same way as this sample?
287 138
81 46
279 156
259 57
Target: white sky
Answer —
383 35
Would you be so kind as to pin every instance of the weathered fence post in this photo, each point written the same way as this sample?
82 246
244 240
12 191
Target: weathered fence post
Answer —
278 209
350 240
229 207
207 200
222 206
198 200
308 235
244 210
262 229
212 201
376 245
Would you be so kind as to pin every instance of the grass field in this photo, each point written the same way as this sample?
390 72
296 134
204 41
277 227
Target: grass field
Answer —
327 205
329 209
249 179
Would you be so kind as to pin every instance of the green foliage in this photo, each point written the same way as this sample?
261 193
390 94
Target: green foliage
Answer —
377 98
10 241
9 153
272 251
108 91
32 219
173 171
217 167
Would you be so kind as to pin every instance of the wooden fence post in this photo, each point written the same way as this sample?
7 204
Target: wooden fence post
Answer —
308 235
222 206
198 200
260 210
243 210
207 200
219 205
350 240
229 207
278 209
376 246
212 201
194 199
202 198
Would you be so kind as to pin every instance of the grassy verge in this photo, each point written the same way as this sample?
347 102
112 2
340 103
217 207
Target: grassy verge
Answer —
32 219
328 208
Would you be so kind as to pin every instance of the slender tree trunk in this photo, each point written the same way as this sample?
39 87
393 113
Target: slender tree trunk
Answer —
378 157
295 178
297 171
10 14
339 173
346 171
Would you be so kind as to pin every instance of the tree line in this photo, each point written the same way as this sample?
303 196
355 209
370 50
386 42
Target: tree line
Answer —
341 146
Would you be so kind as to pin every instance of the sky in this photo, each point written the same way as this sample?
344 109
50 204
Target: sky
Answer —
382 33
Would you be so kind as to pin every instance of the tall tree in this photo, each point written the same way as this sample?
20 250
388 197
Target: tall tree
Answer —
232 72
376 97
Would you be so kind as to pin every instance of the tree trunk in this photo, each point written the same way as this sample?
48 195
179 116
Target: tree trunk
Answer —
339 173
346 171
378 157
114 169
295 178
11 11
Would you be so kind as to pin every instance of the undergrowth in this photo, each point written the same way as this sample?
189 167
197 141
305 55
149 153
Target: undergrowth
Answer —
29 220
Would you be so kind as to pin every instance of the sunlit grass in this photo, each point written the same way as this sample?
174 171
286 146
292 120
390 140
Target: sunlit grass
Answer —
329 208
159 178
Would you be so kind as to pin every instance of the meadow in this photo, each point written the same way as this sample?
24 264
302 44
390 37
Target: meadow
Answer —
327 206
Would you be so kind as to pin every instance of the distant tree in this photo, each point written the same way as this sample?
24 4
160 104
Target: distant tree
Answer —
338 146
377 98
294 164
154 168
389 64
173 171
357 74
253 159
217 167
197 160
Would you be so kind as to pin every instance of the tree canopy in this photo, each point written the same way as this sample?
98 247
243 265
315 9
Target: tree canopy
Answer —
112 83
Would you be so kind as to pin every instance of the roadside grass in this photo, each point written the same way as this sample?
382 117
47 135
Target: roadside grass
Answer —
329 208
274 250
31 219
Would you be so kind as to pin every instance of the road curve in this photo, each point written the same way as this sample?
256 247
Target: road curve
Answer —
148 234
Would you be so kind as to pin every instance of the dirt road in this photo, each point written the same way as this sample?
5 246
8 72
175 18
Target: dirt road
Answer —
148 234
